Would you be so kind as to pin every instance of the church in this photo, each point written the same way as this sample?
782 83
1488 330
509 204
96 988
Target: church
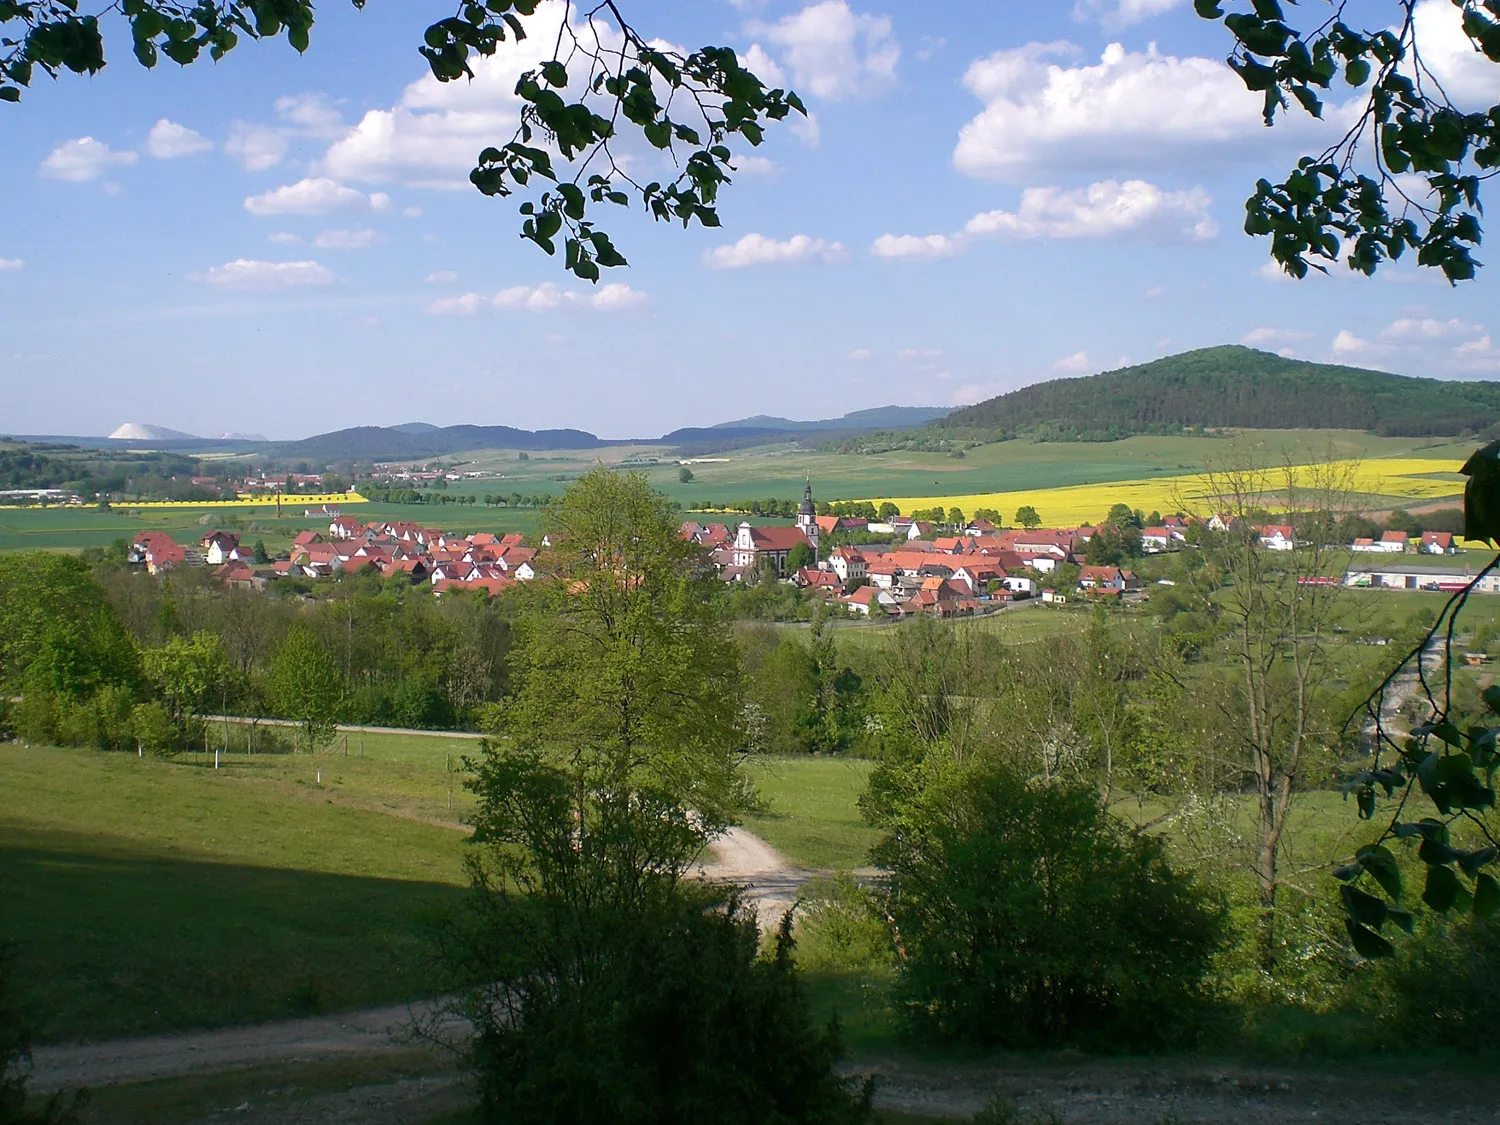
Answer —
751 544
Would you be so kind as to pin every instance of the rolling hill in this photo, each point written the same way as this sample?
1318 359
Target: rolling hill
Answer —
1238 387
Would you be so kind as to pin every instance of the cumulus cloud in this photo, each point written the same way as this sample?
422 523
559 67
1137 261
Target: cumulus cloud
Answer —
256 147
1347 343
1075 364
831 51
169 140
1116 14
320 196
546 297
284 238
442 277
917 248
758 250
1478 355
860 354
84 159
314 115
1108 209
348 239
243 273
1470 79
1130 112
8 264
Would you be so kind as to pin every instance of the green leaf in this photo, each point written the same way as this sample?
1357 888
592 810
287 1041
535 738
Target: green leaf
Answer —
1367 943
1486 896
1382 866
1442 889
1364 908
555 73
1208 9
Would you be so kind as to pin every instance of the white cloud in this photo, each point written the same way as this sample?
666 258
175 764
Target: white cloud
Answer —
169 140
1108 209
919 353
1470 79
763 66
912 247
1116 14
442 277
1347 343
1268 337
8 264
616 297
412 213
860 354
1156 292
319 196
546 297
255 146
1427 328
348 239
755 166
831 51
758 250
246 274
1130 112
285 238
312 114
1478 355
1075 364
467 305
82 160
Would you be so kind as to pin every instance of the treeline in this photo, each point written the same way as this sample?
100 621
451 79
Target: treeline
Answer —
1238 387
142 476
116 659
439 495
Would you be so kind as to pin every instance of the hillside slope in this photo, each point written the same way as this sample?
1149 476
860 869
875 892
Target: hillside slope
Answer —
1239 387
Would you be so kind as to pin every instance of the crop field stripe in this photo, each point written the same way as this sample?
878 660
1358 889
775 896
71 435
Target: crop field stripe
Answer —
1398 478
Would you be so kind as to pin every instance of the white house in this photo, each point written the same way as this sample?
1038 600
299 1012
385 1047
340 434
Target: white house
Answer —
1277 537
847 563
1438 543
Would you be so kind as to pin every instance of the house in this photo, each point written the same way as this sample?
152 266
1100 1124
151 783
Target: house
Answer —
1438 543
810 577
1277 537
1052 597
1154 540
1391 543
220 547
345 527
1020 585
754 544
1107 578
304 540
864 601
979 527
848 564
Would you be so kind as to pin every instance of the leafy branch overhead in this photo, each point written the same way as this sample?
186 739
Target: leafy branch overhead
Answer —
1355 196
690 107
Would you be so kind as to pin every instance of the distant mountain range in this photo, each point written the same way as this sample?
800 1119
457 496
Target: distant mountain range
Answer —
135 431
1233 386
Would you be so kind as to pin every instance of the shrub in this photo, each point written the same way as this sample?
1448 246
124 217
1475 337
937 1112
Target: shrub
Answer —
666 1014
1029 916
841 929
1444 988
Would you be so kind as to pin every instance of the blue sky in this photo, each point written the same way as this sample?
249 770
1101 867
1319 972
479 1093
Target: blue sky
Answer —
988 194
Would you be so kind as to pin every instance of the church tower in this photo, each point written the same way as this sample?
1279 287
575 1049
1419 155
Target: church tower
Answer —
807 516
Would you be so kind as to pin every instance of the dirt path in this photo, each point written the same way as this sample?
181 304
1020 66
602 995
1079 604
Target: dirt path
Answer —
740 857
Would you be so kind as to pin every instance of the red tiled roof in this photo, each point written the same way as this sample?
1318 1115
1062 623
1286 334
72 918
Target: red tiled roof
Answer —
777 538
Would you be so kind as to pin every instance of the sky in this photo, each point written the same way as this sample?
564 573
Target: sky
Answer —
984 195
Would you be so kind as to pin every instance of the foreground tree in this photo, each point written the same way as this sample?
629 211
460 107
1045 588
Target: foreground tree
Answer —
1273 612
1356 196
610 987
305 685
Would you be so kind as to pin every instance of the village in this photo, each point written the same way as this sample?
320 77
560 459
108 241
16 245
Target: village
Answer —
901 566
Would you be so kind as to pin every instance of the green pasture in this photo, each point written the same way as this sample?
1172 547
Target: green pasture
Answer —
72 529
810 810
148 896
779 470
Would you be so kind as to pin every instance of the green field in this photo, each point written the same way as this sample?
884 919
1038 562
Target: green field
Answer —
149 896
811 812
72 529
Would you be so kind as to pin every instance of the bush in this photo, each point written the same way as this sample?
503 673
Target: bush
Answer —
841 929
667 1014
1443 989
1029 916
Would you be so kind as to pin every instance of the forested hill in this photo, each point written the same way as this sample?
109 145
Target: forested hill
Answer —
1240 387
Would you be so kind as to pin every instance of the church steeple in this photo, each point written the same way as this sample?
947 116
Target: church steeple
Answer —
807 515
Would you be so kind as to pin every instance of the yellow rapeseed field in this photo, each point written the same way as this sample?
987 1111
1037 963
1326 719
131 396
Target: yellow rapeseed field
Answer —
1398 478
288 500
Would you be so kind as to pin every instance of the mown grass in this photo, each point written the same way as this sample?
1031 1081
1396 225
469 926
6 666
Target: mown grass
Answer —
812 810
149 896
